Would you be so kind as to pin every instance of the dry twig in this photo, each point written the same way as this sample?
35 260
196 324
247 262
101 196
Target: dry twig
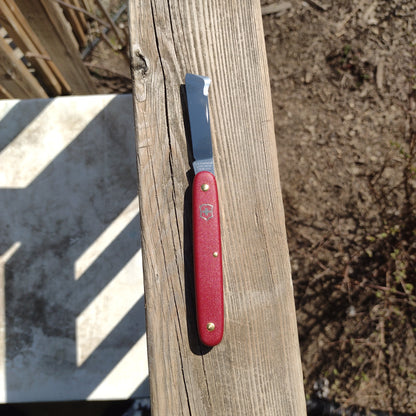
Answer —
317 5
80 9
110 21
112 71
278 8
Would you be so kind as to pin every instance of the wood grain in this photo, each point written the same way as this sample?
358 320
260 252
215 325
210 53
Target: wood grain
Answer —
4 93
256 369
81 16
15 77
76 25
38 47
21 33
48 22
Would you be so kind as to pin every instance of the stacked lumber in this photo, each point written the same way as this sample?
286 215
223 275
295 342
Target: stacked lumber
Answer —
24 37
78 22
50 40
50 46
16 79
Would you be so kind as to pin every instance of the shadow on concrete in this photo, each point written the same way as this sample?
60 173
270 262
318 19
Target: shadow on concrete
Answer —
137 407
56 219
20 116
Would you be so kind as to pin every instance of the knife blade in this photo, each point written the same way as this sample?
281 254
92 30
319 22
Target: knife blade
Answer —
205 217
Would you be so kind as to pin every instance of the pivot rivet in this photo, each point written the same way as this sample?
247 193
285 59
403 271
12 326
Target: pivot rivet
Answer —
205 187
210 326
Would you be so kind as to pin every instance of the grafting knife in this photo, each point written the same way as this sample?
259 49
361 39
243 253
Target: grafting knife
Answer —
205 217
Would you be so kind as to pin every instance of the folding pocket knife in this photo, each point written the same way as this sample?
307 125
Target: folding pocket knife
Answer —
205 217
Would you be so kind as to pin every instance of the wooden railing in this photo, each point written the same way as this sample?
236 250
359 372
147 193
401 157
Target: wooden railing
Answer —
256 369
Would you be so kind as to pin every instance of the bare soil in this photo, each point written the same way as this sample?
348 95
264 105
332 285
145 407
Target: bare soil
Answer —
343 82
343 86
108 62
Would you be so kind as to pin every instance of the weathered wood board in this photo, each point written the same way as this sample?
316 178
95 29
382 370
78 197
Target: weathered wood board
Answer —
256 370
24 37
48 22
15 77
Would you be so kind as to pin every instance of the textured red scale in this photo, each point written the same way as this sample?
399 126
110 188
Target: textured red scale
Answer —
207 259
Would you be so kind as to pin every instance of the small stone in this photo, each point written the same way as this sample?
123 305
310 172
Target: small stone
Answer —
351 312
308 77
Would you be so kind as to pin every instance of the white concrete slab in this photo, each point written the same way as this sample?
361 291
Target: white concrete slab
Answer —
71 285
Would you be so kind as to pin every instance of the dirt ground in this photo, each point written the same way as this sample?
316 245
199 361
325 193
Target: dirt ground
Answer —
108 62
343 83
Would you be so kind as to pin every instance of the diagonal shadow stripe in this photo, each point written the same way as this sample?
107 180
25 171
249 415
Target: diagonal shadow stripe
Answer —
142 390
121 339
108 264
18 118
63 211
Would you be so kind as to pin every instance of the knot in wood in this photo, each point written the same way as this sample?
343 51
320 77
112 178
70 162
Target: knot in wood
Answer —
140 63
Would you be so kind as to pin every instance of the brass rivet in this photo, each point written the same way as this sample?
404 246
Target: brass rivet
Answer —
205 187
210 326
215 253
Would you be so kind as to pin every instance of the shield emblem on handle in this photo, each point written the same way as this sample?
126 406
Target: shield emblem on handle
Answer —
206 211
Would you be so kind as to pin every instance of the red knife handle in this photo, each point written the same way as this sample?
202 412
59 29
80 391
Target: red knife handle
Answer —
207 259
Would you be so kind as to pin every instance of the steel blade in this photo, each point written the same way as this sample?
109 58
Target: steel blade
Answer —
197 97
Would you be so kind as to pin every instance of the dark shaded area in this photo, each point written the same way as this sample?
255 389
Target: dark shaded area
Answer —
18 118
136 407
322 407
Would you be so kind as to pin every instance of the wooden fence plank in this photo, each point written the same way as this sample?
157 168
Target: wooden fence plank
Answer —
66 89
4 94
81 16
256 369
48 22
22 35
15 77
88 5
78 30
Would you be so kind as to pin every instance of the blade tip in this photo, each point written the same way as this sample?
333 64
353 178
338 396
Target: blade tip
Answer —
200 81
